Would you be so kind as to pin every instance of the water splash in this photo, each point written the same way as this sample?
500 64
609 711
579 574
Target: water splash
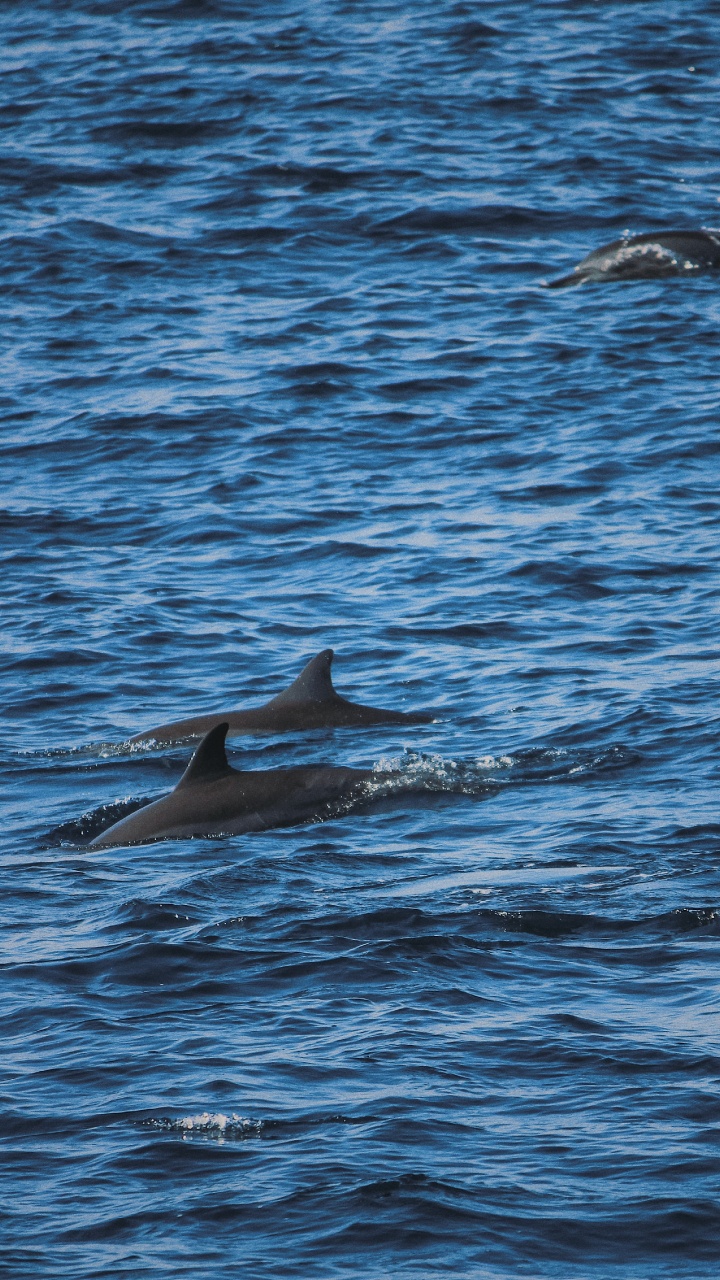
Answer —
427 771
208 1124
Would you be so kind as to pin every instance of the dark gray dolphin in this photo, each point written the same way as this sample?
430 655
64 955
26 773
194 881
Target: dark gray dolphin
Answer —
213 799
310 702
652 256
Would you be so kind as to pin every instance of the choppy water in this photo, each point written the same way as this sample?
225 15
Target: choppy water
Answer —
279 373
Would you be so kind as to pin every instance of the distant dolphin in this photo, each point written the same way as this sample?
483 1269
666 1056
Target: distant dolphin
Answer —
212 798
310 702
648 257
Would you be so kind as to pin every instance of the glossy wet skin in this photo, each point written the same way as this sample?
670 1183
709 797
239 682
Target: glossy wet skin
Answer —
310 702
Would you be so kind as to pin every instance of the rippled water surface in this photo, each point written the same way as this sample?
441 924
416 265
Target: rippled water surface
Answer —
280 374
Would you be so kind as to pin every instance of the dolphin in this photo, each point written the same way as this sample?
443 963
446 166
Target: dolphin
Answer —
310 702
652 256
213 799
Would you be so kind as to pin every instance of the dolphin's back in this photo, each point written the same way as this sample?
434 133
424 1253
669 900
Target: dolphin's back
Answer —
254 801
212 798
653 255
310 702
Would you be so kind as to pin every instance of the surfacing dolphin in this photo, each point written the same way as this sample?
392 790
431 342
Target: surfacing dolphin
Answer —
310 702
214 799
652 256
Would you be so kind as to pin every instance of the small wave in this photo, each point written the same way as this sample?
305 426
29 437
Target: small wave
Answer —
490 879
448 927
559 764
500 219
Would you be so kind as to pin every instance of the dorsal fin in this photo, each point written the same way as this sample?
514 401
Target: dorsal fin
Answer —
314 684
210 760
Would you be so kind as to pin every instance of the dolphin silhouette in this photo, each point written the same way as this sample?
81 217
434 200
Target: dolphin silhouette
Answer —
310 702
652 256
214 799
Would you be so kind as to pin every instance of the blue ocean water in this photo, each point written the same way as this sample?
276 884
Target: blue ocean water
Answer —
279 374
